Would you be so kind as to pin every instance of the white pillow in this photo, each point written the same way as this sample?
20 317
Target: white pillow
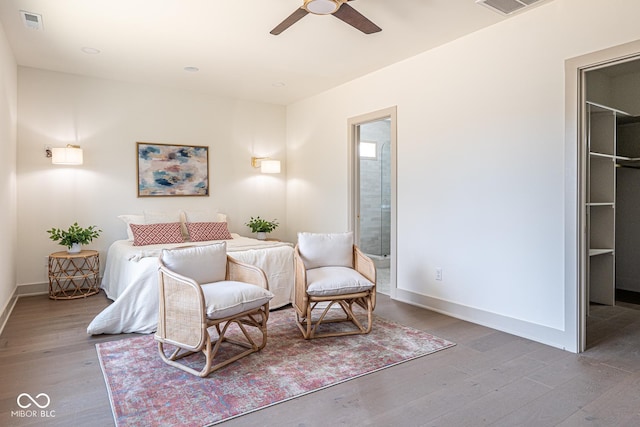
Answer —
131 219
203 216
326 281
204 264
229 298
324 250
151 217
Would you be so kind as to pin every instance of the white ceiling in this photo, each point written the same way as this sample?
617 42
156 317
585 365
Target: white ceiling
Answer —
151 41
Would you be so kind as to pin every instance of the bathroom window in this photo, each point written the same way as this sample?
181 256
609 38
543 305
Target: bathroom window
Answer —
368 150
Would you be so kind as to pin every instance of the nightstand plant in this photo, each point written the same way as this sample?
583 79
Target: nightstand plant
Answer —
261 226
74 236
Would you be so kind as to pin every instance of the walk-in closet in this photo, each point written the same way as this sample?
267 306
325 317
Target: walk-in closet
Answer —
612 192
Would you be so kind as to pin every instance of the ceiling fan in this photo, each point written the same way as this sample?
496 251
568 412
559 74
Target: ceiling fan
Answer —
338 8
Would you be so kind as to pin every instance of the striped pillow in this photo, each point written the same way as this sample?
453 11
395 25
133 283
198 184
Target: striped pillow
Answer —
203 231
154 234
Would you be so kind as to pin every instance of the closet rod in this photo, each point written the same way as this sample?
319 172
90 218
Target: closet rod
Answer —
630 166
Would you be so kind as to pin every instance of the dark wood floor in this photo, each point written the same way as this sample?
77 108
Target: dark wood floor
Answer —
489 378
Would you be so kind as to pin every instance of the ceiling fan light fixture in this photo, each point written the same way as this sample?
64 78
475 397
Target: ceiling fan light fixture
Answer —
322 7
338 8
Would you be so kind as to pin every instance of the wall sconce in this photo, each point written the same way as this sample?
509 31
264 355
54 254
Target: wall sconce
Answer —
69 155
266 164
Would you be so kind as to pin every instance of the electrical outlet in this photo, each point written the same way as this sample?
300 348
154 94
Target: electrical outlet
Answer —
438 273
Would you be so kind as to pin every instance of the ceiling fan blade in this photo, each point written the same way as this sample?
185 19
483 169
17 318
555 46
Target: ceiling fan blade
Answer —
289 21
354 18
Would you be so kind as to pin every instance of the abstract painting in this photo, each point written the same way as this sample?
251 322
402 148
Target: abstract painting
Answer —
172 170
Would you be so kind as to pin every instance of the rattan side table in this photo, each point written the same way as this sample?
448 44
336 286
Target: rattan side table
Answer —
73 275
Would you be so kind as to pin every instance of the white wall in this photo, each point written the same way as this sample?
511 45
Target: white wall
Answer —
107 118
599 88
620 92
481 166
625 91
8 218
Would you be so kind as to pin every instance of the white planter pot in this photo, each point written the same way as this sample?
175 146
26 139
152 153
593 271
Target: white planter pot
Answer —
75 248
261 235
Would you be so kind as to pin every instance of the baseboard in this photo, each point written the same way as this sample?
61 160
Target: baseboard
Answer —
8 308
32 289
535 332
21 291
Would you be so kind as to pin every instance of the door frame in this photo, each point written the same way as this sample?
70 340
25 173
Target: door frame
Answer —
575 148
353 124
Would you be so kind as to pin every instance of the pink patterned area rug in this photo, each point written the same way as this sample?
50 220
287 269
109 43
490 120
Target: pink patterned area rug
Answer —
145 391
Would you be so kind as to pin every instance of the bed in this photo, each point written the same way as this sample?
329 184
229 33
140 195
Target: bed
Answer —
130 279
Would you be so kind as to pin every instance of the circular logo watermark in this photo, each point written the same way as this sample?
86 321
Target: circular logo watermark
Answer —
43 402
33 407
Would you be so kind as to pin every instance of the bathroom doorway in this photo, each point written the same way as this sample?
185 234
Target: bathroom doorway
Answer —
373 191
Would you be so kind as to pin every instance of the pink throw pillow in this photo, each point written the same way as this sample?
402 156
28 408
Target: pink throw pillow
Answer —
203 231
153 234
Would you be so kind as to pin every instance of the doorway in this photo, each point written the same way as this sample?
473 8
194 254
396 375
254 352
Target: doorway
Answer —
609 147
372 148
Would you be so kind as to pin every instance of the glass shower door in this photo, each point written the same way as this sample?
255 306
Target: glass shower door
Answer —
374 225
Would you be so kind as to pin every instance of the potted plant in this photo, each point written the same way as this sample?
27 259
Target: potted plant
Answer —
261 226
74 236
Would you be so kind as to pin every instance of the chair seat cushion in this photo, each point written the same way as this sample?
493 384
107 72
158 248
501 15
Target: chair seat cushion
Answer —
327 281
229 298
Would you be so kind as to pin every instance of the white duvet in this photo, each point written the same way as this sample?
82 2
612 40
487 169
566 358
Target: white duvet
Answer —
131 280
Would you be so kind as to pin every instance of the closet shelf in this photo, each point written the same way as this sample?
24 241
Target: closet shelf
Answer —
602 160
602 155
620 160
599 108
595 252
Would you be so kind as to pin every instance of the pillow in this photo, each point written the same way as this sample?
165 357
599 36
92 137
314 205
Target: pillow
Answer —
198 216
204 264
229 298
151 217
203 216
324 250
131 219
327 281
153 234
201 231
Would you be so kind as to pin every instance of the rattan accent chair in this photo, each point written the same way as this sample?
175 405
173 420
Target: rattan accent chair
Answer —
203 294
330 271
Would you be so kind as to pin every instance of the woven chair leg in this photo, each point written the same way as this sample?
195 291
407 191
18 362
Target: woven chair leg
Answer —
311 329
250 345
251 321
174 363
211 348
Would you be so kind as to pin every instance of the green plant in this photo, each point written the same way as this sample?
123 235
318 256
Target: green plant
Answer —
259 225
75 234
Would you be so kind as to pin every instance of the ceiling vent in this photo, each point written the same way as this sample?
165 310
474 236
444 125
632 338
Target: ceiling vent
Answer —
506 7
33 21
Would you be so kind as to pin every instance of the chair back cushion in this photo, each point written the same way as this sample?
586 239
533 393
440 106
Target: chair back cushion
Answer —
230 298
326 250
329 281
204 264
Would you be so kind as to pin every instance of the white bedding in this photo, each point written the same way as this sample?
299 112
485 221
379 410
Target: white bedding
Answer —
131 280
